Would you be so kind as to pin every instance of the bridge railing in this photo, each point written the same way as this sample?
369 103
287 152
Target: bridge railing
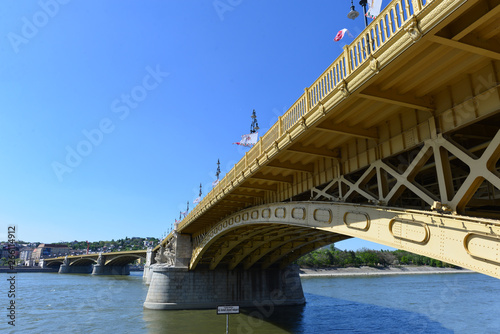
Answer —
296 111
391 20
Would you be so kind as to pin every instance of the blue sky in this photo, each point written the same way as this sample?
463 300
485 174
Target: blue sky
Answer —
113 112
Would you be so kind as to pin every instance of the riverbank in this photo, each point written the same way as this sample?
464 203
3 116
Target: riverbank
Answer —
370 271
28 270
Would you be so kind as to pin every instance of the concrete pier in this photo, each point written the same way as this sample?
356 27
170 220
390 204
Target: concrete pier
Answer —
174 288
67 269
148 273
98 269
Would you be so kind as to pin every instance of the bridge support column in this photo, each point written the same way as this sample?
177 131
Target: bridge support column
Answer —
174 288
67 269
98 269
148 273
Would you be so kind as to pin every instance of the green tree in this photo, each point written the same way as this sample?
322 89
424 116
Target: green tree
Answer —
368 257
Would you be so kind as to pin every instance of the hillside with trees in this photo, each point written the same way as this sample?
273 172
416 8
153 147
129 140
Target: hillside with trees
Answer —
127 244
333 257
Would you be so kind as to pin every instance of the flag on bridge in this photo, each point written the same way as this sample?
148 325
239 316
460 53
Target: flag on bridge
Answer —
216 182
197 199
249 140
184 213
341 34
374 7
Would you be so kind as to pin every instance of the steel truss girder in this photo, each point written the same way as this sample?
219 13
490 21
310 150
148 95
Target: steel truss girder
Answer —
258 244
268 246
226 248
481 169
322 239
307 248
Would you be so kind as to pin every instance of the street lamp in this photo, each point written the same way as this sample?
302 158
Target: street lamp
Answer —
254 127
218 169
362 3
354 13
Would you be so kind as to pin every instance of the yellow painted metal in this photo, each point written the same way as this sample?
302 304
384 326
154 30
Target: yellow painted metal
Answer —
359 94
464 241
231 244
406 118
263 247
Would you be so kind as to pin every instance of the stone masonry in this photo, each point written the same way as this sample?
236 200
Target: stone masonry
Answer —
175 287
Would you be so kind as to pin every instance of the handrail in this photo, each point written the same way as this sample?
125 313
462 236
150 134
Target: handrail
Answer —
377 34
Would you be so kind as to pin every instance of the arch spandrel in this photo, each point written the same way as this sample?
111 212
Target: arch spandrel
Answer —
262 241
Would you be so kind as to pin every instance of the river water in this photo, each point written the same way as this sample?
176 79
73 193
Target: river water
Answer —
434 303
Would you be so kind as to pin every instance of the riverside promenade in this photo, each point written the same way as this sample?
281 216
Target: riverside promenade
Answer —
372 271
6 269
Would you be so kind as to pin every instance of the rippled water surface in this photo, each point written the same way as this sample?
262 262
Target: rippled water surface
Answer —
450 303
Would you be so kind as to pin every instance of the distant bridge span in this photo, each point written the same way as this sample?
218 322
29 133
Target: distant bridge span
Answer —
114 263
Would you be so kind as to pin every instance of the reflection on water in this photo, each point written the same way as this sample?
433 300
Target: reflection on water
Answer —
455 303
320 315
266 319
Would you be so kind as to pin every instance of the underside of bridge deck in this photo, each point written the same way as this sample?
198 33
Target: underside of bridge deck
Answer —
265 245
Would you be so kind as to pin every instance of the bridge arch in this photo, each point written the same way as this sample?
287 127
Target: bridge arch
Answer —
54 264
83 261
262 243
121 260
279 233
267 235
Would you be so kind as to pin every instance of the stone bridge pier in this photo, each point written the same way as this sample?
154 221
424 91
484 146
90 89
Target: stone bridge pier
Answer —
67 269
99 269
148 272
173 286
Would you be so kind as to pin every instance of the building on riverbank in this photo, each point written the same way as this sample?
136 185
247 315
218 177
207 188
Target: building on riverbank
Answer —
25 256
48 250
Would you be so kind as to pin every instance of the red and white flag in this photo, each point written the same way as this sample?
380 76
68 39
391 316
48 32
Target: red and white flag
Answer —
248 140
197 200
374 7
341 34
215 183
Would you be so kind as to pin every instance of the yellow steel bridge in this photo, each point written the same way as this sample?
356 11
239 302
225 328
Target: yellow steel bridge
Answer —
396 142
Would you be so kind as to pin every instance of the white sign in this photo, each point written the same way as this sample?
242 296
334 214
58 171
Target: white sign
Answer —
228 309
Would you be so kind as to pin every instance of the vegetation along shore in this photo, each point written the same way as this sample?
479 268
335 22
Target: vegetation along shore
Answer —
330 261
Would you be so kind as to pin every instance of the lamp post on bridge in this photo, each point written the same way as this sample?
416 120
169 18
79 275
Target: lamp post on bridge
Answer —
217 173
254 127
354 13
